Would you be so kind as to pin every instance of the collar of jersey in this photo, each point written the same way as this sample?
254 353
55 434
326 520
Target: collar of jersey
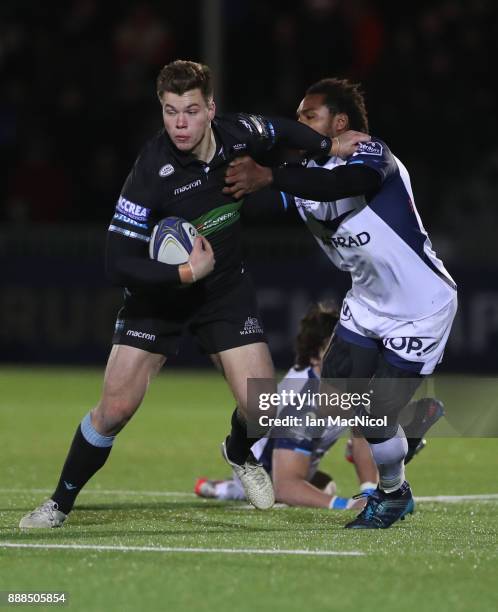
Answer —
185 159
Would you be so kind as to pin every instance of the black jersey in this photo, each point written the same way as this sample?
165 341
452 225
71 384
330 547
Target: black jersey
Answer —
167 182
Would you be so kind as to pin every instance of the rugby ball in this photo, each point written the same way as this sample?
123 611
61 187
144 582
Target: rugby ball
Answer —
172 240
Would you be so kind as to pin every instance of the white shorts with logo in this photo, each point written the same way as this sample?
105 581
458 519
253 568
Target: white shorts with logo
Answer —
413 345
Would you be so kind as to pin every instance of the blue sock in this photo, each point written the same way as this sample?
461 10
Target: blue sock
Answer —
88 453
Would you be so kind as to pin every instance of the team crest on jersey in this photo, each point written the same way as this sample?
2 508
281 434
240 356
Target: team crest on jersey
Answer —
369 148
251 326
166 170
310 205
239 146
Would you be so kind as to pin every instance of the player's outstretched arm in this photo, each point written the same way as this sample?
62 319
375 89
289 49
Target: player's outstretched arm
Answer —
365 467
245 176
289 473
268 132
290 482
295 135
325 185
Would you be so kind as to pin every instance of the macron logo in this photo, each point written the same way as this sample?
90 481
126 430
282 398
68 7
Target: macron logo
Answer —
69 486
137 334
187 187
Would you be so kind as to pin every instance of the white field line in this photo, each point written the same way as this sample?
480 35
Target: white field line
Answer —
438 499
433 499
172 549
109 492
455 499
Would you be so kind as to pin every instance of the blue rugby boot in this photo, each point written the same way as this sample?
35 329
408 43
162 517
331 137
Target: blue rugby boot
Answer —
384 509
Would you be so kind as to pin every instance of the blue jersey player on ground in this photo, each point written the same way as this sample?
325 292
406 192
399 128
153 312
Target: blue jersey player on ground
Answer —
397 316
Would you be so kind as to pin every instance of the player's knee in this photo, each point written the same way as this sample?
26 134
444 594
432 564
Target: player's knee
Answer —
111 415
337 359
389 450
378 433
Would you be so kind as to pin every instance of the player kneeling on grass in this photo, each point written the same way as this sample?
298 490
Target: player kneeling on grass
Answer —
293 461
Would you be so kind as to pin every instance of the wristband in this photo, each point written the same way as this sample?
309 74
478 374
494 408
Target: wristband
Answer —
336 138
186 273
338 503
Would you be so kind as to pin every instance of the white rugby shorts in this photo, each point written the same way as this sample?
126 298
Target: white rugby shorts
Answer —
412 345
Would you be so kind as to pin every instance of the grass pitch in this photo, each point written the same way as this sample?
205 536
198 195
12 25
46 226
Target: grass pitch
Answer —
138 538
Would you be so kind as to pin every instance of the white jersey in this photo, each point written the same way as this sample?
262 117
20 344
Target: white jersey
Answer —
381 241
297 441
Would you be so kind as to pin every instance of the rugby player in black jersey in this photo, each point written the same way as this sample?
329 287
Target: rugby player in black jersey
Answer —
180 172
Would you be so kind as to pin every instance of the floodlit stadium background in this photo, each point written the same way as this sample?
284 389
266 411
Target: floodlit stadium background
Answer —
78 101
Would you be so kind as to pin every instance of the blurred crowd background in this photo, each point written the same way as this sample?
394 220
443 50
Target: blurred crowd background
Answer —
78 97
78 101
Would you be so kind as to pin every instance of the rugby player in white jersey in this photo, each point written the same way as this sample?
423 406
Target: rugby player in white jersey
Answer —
397 317
293 461
293 458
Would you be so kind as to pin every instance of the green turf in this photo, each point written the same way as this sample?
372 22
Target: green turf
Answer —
443 558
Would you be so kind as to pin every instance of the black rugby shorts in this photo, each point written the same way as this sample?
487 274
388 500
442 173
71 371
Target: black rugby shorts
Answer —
218 320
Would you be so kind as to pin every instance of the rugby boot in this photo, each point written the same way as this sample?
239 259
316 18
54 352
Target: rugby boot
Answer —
254 479
47 515
384 509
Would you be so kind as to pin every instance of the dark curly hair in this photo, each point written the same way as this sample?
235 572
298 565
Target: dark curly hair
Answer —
343 96
315 329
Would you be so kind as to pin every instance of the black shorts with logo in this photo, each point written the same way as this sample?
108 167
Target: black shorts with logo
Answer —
219 320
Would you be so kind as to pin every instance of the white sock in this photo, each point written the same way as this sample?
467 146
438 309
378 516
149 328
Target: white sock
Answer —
367 485
229 489
389 457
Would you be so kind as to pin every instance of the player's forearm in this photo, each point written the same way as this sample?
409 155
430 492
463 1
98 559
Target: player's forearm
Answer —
325 185
365 467
295 135
299 492
137 272
128 266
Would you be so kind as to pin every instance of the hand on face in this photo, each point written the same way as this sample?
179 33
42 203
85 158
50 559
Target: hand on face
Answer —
346 144
314 113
